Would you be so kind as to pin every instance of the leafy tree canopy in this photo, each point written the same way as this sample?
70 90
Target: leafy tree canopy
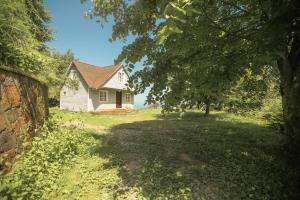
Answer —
215 40
24 30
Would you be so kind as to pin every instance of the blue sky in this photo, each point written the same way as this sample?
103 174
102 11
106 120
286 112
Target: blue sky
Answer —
85 37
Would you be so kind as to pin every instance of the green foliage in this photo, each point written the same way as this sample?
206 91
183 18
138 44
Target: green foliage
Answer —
36 172
144 155
39 17
252 90
193 50
198 50
72 83
55 71
154 106
272 112
23 32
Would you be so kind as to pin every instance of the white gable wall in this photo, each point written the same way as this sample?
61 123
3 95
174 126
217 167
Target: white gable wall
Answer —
71 99
114 82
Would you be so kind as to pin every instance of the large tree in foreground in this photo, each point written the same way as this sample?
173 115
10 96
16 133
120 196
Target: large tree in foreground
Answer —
228 35
270 28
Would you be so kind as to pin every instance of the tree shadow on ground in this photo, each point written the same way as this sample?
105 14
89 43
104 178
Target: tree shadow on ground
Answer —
195 158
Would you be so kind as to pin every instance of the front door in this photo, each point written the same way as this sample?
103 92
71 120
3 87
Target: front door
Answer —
118 99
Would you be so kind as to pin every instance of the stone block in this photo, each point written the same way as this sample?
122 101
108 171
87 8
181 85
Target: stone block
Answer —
12 115
19 127
7 142
4 103
3 123
13 94
2 77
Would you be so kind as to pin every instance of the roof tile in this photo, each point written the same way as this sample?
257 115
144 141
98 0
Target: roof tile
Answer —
95 76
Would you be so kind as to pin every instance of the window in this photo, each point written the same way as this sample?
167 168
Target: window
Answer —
128 98
65 93
103 95
120 77
74 75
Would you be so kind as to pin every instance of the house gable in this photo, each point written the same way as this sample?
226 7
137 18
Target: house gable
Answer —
115 83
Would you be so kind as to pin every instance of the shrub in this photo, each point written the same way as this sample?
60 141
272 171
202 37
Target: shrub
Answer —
53 102
153 105
52 151
272 112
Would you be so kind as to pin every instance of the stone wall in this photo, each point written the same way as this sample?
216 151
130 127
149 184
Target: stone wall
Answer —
23 108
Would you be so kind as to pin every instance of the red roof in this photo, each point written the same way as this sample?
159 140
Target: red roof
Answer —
95 76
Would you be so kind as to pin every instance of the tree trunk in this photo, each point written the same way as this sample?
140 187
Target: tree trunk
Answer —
198 104
207 106
289 67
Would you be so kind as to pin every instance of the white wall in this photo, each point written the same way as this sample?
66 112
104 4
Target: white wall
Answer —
115 83
71 99
95 104
125 104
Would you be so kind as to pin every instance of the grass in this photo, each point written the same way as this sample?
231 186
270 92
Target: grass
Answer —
107 120
144 155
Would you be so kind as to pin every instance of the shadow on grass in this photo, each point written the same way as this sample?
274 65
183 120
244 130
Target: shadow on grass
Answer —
195 158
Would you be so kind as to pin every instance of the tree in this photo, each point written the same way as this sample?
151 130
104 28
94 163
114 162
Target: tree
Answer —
256 22
55 69
24 31
40 18
252 90
179 63
246 39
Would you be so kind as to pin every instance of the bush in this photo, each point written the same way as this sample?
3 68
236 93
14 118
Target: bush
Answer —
52 151
272 112
53 102
153 105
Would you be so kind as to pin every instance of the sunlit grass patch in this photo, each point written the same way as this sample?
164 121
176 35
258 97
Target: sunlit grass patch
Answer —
147 155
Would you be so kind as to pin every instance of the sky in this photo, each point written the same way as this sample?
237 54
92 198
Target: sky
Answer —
86 38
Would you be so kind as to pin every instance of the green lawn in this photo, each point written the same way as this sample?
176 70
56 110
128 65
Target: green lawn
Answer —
144 155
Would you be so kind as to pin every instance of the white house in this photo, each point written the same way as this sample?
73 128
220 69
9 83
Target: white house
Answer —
96 88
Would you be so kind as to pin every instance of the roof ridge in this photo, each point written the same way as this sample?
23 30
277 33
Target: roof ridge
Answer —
113 65
96 76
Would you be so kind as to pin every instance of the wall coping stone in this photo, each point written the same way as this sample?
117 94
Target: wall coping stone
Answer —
15 71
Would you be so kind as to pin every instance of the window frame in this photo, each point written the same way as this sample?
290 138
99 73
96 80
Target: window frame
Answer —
74 75
126 97
120 77
106 96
